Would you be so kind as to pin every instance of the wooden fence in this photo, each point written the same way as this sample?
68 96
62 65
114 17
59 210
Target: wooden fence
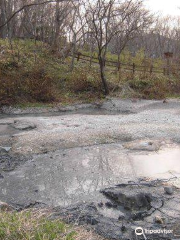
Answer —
166 70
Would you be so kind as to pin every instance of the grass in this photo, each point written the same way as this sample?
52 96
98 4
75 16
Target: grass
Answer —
31 75
34 105
33 224
127 58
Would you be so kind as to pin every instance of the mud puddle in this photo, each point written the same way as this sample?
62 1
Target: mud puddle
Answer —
70 176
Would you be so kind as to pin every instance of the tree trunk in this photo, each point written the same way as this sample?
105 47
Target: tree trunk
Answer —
103 76
91 56
3 31
73 53
57 26
119 55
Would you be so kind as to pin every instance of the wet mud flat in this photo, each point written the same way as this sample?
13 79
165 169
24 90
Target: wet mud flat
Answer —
144 205
102 187
110 172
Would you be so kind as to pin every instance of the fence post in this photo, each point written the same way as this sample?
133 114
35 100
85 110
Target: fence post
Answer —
134 67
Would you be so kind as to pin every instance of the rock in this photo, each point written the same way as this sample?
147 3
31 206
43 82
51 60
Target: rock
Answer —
5 207
129 198
159 220
169 190
4 149
23 125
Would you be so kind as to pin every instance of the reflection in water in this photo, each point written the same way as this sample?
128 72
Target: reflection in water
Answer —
73 175
158 163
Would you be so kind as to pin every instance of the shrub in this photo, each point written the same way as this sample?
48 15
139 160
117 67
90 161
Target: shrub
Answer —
38 85
32 85
154 86
82 79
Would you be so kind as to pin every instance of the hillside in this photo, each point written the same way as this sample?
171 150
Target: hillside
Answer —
32 74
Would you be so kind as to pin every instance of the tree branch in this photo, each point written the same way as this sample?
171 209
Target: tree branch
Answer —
27 6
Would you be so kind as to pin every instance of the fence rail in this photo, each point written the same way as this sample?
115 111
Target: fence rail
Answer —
149 68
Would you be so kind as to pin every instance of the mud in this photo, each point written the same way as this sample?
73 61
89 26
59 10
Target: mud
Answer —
68 158
143 204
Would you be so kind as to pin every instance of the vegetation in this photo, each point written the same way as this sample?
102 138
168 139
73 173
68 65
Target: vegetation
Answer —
33 225
40 40
31 74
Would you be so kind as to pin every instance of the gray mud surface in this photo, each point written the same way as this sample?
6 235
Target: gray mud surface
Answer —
76 159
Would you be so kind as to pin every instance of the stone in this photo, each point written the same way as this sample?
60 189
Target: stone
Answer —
169 190
159 220
23 125
4 149
129 198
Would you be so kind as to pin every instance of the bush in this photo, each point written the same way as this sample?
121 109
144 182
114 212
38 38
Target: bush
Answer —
82 79
152 87
38 85
32 85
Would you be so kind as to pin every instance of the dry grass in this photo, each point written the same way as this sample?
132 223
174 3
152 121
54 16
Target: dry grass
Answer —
83 234
35 225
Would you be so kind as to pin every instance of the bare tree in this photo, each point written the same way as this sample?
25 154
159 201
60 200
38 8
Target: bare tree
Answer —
99 17
137 21
111 19
77 24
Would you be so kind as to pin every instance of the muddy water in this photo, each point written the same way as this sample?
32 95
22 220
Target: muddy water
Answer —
86 111
69 176
167 160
